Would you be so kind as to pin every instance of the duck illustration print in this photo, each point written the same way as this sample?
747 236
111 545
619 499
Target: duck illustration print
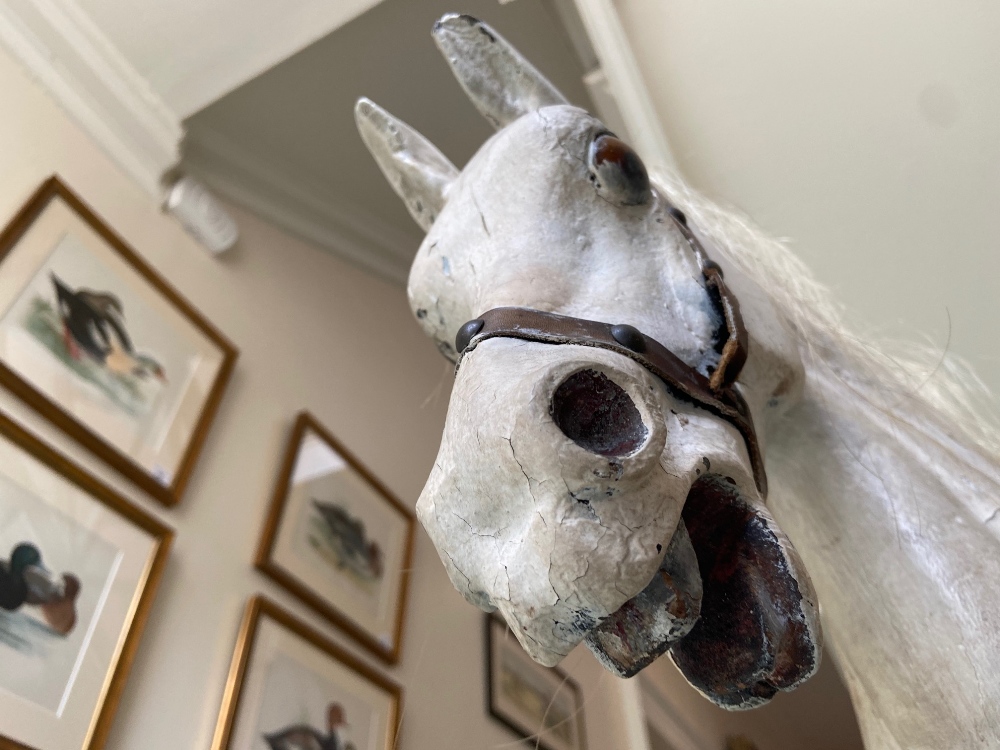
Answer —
292 689
85 330
339 539
301 708
99 344
86 336
343 542
54 578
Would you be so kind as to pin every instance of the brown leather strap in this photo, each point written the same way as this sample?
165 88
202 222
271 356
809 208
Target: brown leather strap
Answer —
734 346
684 381
715 393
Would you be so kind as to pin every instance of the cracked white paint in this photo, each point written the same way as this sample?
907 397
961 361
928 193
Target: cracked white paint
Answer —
499 81
502 459
896 515
527 521
504 235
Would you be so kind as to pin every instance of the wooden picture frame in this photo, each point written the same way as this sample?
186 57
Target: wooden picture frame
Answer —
91 380
665 726
248 695
541 705
87 635
363 503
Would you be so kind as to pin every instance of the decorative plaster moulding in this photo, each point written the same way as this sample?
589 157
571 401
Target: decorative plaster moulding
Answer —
303 208
195 52
72 59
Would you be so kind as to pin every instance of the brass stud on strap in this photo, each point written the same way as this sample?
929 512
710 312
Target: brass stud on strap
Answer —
629 337
466 332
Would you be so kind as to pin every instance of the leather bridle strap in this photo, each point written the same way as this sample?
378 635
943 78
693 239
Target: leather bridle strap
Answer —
734 346
683 381
715 394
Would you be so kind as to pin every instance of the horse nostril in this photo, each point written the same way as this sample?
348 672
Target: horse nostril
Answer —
597 414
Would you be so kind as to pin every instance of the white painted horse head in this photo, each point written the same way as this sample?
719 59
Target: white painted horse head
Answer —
580 489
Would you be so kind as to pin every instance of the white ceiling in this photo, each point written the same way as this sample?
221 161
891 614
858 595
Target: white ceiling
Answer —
866 132
285 144
195 51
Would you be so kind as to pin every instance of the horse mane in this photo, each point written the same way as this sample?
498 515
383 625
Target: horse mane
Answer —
914 381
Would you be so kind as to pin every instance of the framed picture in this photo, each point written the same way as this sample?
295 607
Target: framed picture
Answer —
290 688
93 339
79 566
666 726
338 539
542 705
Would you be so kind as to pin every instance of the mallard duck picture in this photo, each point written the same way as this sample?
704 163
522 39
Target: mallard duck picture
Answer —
24 580
94 324
304 737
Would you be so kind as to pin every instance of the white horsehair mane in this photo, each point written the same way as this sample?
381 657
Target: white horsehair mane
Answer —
910 380
919 681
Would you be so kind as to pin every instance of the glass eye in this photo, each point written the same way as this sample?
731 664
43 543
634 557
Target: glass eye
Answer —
617 171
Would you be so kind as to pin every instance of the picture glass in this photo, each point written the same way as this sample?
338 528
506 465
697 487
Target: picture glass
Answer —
92 335
71 573
342 539
297 695
534 700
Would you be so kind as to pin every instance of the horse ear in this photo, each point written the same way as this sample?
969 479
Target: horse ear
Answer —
418 172
500 82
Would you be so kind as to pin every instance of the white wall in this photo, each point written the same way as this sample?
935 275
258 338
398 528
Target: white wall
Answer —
866 132
314 333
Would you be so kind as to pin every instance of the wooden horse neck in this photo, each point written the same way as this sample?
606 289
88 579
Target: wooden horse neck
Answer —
897 524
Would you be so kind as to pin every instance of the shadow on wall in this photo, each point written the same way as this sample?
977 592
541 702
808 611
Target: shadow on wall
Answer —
818 715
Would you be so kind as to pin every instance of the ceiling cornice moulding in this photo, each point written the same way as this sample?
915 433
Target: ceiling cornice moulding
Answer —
624 79
298 205
71 58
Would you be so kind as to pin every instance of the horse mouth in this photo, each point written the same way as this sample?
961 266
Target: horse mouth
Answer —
730 602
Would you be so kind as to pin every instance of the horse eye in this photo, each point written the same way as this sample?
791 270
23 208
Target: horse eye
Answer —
617 171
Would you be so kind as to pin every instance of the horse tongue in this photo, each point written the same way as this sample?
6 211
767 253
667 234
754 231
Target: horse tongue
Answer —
645 626
759 630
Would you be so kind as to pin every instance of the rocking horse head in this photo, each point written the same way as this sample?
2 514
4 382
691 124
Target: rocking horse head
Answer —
601 475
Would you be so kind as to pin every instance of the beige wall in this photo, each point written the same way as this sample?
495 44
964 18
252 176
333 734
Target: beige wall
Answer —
313 333
816 716
868 133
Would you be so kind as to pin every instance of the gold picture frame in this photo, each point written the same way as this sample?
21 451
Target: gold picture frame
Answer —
77 629
364 504
334 691
70 291
541 705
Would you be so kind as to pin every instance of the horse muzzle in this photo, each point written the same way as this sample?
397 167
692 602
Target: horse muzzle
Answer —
576 496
